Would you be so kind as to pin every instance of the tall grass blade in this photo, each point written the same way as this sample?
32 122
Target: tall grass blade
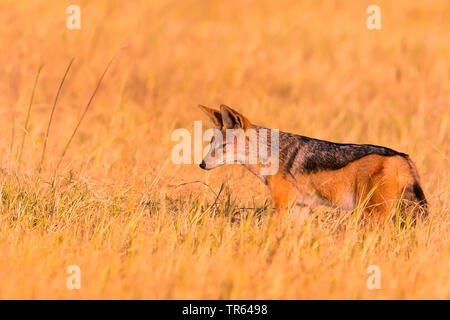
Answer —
83 115
51 116
25 127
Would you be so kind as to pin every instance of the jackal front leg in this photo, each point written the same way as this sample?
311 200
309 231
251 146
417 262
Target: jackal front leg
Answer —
300 212
283 193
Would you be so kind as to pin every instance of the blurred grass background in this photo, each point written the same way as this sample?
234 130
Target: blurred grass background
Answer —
308 67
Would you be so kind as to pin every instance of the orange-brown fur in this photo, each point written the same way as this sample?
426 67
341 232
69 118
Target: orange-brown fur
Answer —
377 179
282 190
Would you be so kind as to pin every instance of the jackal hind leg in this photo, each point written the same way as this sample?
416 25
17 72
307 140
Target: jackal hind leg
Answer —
382 201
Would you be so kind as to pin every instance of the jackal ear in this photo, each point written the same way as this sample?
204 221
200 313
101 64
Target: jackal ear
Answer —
233 119
214 115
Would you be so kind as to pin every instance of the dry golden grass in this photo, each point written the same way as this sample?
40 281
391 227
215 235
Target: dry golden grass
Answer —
309 67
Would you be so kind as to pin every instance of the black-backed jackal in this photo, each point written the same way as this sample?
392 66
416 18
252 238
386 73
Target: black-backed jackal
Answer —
314 172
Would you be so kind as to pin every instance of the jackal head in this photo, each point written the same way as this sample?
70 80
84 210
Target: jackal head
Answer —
231 140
